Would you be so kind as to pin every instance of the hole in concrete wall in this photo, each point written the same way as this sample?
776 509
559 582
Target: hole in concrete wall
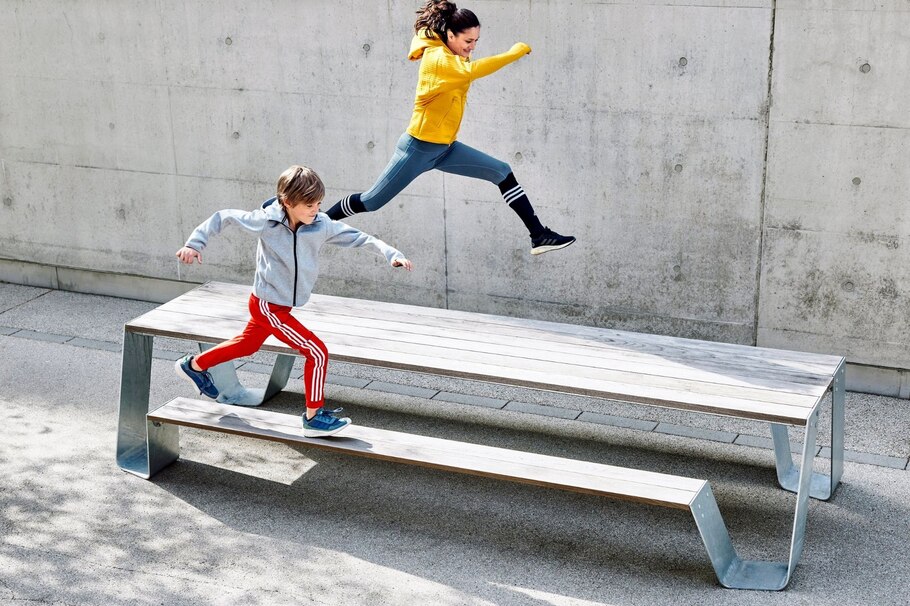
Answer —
857 180
683 62
235 135
865 68
228 41
678 168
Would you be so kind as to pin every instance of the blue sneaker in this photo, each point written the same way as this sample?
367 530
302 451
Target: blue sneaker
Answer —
202 380
325 423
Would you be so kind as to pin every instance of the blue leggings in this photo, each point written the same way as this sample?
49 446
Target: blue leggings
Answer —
414 157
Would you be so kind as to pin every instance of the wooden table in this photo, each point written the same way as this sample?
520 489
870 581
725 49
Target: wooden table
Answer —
785 388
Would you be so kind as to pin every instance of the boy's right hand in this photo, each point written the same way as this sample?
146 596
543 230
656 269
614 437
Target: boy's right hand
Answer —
187 255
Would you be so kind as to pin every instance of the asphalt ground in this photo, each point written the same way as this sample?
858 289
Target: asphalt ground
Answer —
243 521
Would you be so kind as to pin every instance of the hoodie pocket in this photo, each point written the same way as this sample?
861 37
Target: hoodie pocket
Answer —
445 112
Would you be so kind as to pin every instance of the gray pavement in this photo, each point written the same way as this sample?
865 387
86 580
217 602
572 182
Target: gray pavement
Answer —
241 521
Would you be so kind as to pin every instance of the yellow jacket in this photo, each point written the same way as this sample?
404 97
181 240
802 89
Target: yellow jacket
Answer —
442 86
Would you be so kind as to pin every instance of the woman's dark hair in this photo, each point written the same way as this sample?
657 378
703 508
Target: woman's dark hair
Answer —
437 16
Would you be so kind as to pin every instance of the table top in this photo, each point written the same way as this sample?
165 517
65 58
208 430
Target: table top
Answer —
775 385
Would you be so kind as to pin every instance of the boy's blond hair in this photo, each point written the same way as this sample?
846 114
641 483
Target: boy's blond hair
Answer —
299 185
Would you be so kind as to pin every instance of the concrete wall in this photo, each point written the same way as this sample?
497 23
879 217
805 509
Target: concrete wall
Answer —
835 275
730 168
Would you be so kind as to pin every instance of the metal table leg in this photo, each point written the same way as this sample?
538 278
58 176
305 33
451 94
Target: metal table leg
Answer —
231 391
142 447
822 486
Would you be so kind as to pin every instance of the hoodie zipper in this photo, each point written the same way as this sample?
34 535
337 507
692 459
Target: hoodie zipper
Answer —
294 235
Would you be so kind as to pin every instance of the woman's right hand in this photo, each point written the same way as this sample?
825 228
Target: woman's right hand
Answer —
522 48
188 255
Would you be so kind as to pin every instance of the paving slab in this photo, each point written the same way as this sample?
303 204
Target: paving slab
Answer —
241 521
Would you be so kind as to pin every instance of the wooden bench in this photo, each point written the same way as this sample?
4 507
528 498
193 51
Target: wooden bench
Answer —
782 387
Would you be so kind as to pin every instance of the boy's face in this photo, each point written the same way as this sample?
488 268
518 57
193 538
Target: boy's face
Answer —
303 212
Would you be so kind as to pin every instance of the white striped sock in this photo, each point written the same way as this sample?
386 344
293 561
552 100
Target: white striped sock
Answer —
513 194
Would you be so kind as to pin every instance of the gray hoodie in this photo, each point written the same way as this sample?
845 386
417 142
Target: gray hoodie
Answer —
287 262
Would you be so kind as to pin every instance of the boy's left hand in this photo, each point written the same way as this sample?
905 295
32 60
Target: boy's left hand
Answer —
402 263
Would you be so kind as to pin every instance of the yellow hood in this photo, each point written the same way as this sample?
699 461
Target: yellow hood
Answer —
422 42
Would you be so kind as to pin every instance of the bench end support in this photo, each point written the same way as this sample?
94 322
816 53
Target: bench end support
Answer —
732 571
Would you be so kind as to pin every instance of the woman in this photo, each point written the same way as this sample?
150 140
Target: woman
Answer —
444 38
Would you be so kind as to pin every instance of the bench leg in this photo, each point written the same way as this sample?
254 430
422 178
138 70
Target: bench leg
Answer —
142 448
736 573
821 486
231 391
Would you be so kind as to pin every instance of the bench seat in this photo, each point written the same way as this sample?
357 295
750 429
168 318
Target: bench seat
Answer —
663 490
523 467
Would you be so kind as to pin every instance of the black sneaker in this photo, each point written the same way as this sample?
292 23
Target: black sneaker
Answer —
548 240
200 378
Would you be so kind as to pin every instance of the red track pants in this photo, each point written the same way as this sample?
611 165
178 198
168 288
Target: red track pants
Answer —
269 319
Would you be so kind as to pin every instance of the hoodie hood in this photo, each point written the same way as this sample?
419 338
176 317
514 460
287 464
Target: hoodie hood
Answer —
273 208
421 42
274 211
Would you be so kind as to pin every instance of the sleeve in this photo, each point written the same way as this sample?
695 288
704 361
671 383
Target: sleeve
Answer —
442 71
342 234
251 221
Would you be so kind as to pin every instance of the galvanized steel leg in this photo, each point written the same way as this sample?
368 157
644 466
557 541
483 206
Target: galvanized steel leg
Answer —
838 396
142 449
281 372
231 391
821 486
734 572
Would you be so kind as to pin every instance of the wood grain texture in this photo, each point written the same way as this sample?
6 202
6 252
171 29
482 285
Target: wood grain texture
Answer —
487 461
719 378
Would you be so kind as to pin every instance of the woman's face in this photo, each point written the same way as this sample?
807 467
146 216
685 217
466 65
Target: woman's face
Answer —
463 43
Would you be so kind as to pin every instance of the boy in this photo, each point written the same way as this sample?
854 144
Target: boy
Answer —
291 231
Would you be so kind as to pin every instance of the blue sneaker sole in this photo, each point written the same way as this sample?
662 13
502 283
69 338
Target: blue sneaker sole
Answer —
323 433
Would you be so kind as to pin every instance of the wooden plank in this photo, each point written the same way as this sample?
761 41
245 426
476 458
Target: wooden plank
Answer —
673 364
215 291
795 408
362 307
522 358
526 353
500 325
488 461
630 370
354 311
728 404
